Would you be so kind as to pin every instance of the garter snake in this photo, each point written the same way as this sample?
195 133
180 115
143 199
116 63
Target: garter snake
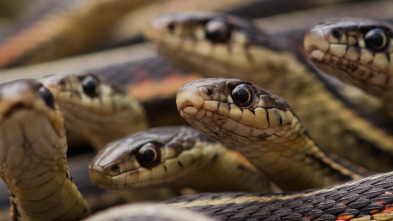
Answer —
88 102
262 127
357 51
174 157
125 97
364 199
217 45
82 95
33 155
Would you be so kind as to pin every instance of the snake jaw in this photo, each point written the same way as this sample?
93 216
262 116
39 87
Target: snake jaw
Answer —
347 49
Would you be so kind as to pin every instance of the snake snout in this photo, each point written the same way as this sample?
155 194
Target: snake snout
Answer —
315 43
188 99
97 176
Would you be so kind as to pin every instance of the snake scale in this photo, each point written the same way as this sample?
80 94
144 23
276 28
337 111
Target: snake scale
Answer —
217 45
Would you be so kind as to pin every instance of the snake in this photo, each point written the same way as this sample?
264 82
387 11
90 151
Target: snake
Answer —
357 51
364 199
115 96
33 155
219 45
86 99
174 157
263 128
62 29
368 198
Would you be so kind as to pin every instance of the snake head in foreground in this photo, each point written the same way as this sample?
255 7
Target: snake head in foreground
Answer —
173 157
358 51
263 128
95 108
33 151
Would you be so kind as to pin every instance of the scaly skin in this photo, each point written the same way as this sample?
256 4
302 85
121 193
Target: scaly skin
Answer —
89 103
33 151
262 127
365 199
174 157
240 50
357 51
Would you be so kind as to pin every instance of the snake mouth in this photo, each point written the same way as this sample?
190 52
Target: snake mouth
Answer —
188 99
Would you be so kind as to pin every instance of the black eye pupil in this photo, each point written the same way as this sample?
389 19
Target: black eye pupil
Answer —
47 96
148 155
89 85
337 34
217 31
242 95
115 168
375 39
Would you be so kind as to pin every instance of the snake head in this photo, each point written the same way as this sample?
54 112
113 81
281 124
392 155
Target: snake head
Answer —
155 157
356 51
31 128
233 107
214 43
88 101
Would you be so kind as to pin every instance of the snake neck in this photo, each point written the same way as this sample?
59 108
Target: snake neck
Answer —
314 101
293 161
225 170
34 168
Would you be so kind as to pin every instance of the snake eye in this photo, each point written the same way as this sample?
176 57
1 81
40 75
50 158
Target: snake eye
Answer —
47 96
376 39
242 95
115 168
337 33
148 155
89 85
217 31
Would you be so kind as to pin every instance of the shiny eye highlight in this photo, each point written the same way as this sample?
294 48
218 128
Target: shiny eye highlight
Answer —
376 39
242 95
217 31
89 85
148 155
47 96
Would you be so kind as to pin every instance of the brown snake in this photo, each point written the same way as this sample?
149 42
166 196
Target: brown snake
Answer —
217 45
33 151
357 51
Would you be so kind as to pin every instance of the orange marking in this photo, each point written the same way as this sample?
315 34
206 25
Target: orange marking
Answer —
389 208
345 217
159 89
